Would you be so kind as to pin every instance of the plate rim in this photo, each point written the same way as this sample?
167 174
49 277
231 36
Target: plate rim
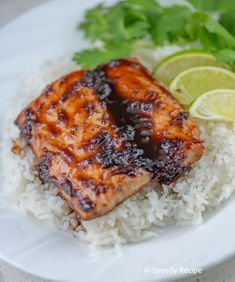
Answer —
216 261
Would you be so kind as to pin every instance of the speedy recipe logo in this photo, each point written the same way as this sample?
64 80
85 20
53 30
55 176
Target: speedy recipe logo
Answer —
172 270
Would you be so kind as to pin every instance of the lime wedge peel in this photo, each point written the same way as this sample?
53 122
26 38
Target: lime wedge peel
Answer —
216 105
173 65
192 83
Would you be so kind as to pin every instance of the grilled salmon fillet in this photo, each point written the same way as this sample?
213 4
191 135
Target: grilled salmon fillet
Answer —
100 136
164 130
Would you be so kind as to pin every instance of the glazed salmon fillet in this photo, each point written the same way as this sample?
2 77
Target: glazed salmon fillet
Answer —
163 128
100 136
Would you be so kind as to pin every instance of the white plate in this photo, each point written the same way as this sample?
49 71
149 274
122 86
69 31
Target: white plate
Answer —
47 32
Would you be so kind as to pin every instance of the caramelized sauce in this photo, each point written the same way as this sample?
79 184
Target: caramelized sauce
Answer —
91 131
16 149
162 157
130 120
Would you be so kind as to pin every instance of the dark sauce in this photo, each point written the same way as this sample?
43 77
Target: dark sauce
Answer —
133 126
27 126
181 117
130 157
133 118
162 157
85 203
68 188
43 168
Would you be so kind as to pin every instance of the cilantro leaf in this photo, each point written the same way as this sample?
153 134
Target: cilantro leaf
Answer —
129 18
118 27
205 5
116 22
217 36
150 9
225 9
213 5
227 19
136 23
195 25
225 6
121 26
170 26
211 34
149 5
90 58
137 29
227 56
94 24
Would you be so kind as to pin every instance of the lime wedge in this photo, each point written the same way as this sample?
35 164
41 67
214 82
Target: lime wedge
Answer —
217 105
175 64
192 83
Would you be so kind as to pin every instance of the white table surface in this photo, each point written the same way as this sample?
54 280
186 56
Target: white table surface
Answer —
225 272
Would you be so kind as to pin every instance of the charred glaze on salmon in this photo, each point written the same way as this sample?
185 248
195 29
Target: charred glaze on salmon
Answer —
101 135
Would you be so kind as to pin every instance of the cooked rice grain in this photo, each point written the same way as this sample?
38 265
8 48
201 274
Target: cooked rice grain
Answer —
140 217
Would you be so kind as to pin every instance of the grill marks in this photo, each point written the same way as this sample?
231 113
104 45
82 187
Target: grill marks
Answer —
71 133
131 157
132 110
99 136
131 143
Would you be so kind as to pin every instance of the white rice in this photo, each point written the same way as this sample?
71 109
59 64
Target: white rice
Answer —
142 216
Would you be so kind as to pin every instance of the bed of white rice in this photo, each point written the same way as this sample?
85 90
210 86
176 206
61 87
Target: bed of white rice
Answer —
209 184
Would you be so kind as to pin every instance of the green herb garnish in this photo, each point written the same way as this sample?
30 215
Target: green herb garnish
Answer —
120 29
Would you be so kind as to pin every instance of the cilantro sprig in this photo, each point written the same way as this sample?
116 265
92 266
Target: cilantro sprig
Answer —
120 28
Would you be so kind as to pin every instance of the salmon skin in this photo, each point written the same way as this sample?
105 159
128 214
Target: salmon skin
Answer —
100 136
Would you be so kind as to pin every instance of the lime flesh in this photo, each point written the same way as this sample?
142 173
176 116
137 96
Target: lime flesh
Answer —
179 62
192 83
216 105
